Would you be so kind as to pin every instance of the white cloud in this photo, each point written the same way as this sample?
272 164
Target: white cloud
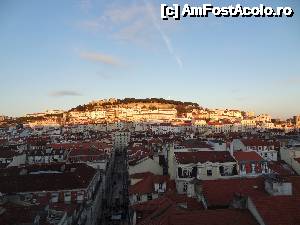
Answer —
164 36
136 23
100 57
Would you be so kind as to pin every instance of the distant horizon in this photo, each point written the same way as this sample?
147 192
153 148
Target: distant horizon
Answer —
98 99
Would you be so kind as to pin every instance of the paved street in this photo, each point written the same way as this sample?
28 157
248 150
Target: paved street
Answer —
115 202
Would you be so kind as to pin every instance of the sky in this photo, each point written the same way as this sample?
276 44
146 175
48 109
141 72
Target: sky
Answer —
59 54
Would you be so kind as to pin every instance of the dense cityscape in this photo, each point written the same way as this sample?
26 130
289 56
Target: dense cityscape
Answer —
149 162
130 112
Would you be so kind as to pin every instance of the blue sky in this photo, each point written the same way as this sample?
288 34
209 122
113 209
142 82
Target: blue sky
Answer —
59 54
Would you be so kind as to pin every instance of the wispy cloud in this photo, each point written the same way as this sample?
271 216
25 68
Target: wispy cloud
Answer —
100 57
137 23
130 23
64 93
164 36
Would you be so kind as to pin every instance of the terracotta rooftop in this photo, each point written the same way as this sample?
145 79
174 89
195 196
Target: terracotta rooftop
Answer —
81 145
221 192
212 217
195 143
71 176
146 185
158 210
258 142
17 214
166 212
279 210
281 168
87 152
203 156
247 156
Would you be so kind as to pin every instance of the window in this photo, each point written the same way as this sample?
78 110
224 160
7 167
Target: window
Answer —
265 168
42 194
138 198
252 168
160 186
149 197
80 196
185 186
222 170
67 196
209 172
186 172
243 168
54 197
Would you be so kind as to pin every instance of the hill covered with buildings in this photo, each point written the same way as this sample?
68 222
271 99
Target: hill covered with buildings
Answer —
103 110
153 110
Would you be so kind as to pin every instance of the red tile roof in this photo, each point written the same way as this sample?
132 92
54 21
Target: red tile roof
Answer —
195 143
136 159
247 156
137 153
258 142
146 185
281 168
86 152
68 179
166 212
17 214
221 192
81 145
212 217
157 210
203 156
279 210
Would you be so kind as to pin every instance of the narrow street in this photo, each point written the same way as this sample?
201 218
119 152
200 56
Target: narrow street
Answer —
115 202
